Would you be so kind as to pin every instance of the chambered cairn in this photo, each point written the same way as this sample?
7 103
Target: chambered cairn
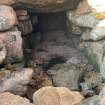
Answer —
52 52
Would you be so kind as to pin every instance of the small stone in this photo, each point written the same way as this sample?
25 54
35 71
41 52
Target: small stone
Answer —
66 76
23 18
21 13
86 35
25 27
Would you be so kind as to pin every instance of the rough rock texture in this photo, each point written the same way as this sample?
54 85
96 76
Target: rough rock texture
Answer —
7 2
39 79
90 82
11 99
56 96
98 31
43 5
95 52
15 81
68 74
7 17
91 21
95 34
95 100
47 5
84 20
13 44
24 24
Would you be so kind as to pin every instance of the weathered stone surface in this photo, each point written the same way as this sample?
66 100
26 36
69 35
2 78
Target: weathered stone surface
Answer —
83 8
25 26
47 5
102 66
82 16
11 99
102 96
98 31
16 81
21 13
73 29
13 44
90 80
95 34
94 52
90 101
7 17
95 100
7 2
86 35
43 5
66 75
84 20
56 96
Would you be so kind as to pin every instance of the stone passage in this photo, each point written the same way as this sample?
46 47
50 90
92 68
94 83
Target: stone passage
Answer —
52 52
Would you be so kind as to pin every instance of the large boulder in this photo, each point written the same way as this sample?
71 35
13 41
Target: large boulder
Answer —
7 2
44 5
95 52
56 96
3 52
66 75
13 45
11 99
16 81
95 34
7 17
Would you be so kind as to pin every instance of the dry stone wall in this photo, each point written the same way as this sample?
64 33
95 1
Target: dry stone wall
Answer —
90 20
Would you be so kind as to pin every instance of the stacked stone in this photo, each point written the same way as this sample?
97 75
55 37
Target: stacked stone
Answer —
90 23
25 24
10 37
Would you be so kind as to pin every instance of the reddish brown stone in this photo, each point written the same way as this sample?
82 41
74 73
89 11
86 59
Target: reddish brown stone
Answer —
13 44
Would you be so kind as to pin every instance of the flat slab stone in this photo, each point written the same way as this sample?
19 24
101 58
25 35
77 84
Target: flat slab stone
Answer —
44 5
